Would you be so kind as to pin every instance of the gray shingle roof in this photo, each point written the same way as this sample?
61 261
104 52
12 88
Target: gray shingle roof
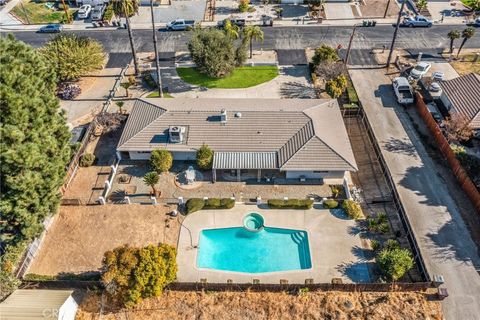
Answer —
282 126
464 94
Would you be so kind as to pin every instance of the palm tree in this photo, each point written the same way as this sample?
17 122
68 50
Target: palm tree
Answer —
151 179
126 9
126 86
251 33
231 30
120 106
157 63
452 35
467 33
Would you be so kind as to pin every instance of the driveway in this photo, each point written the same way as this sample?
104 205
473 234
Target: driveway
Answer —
443 238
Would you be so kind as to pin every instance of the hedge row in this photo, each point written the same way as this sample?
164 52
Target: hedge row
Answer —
196 204
330 204
290 203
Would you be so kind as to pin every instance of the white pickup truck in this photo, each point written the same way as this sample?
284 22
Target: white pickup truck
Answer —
403 90
180 25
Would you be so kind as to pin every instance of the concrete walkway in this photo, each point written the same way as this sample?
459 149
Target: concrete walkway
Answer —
444 241
335 247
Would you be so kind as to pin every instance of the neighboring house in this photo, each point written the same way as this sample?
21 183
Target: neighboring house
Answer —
462 95
284 138
39 304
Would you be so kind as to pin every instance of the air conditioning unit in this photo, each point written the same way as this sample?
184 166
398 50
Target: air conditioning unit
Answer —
176 134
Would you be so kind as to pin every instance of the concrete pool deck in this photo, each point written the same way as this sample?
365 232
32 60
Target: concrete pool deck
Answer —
335 245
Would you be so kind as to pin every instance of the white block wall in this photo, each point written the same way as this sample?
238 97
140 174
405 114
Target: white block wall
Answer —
315 175
177 155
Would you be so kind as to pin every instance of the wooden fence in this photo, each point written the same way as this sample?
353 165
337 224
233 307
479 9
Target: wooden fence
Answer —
464 180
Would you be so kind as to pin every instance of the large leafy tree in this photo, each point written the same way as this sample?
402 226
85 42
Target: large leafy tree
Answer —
161 160
251 33
126 9
132 274
204 157
324 53
73 56
34 147
213 52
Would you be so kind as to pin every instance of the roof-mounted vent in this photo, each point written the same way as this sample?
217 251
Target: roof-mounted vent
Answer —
238 114
176 134
223 116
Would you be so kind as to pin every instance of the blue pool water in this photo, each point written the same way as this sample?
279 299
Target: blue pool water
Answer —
240 250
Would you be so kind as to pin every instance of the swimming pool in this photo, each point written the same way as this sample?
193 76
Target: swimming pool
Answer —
237 249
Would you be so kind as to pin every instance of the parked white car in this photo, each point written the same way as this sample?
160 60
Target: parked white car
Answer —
420 70
84 11
403 90
418 21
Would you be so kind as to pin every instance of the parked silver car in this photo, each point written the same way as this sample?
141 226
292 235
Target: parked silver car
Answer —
98 11
84 11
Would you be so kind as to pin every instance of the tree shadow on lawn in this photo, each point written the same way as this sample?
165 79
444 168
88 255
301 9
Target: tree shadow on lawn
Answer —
296 90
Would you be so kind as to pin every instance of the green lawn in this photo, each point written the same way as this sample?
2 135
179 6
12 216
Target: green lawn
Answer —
471 4
154 94
38 13
242 77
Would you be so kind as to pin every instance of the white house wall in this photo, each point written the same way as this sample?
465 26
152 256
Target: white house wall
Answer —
315 174
68 310
177 155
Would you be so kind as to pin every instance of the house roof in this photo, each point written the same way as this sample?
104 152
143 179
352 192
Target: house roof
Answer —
305 133
244 160
33 304
464 94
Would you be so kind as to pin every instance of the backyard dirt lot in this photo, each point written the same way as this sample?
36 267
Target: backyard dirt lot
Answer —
267 305
80 235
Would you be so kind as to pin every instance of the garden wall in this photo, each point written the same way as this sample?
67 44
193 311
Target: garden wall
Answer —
465 182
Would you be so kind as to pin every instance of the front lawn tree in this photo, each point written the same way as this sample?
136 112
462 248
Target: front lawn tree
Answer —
151 179
133 274
34 144
73 56
161 160
336 86
204 157
453 35
213 52
251 33
395 262
324 53
126 9
467 33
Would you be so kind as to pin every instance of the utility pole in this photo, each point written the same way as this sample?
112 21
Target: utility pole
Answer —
395 34
350 45
66 11
386 9
25 12
157 63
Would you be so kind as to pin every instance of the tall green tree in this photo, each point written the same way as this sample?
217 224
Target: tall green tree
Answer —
251 33
324 53
34 148
161 160
395 262
132 274
73 56
213 52
453 35
126 9
204 157
467 33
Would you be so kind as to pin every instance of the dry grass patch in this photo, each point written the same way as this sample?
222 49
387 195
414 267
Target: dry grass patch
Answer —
267 305
466 64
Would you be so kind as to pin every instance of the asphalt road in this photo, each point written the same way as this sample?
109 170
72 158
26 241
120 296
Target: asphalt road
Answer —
277 38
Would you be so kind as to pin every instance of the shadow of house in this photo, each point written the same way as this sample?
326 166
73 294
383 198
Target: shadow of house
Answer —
355 271
295 90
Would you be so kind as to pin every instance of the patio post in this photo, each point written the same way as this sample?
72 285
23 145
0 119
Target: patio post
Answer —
259 175
239 175
214 175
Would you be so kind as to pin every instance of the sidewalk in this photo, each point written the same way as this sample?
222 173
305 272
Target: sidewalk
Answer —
445 243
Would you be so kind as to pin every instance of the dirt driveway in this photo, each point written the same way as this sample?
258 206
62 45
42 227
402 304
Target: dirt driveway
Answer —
80 235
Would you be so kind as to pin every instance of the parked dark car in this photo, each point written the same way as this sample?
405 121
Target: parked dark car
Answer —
238 22
51 28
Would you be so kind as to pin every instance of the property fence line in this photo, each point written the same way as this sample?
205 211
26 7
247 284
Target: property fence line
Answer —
256 287
462 177
360 113
109 182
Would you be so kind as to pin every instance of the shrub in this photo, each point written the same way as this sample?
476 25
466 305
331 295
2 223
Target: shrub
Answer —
330 204
87 159
204 157
212 51
227 203
394 263
352 95
194 204
68 91
336 87
391 244
375 244
132 274
378 224
161 160
241 54
243 5
290 203
336 190
352 209
324 53
108 15
212 203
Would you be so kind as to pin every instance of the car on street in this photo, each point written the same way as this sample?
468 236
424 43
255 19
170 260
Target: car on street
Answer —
403 90
51 28
97 12
180 25
84 11
235 21
420 70
417 21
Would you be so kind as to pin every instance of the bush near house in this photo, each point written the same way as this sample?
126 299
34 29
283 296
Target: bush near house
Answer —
87 159
352 209
197 204
204 157
133 274
324 53
290 203
330 204
394 262
161 160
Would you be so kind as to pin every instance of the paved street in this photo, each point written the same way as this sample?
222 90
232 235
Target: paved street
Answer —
444 240
276 38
